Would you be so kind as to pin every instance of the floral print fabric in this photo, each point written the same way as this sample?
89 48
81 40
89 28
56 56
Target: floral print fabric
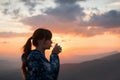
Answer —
39 68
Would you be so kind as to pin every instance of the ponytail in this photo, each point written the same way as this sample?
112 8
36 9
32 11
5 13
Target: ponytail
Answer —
27 46
26 51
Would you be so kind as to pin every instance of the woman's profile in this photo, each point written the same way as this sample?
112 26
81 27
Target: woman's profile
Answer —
35 66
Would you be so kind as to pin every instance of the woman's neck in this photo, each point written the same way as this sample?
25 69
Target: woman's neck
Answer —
40 49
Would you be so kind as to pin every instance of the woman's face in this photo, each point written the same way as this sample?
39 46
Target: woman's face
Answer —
47 44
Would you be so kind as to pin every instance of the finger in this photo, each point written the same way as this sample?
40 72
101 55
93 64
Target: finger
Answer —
56 44
60 50
60 47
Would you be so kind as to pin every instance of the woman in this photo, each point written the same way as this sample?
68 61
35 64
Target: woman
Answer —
35 66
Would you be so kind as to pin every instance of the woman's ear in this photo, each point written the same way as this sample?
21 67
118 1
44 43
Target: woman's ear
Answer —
44 40
41 41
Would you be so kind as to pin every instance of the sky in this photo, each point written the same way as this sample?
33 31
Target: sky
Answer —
81 27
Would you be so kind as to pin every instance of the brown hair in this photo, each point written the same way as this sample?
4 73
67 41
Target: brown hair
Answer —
39 34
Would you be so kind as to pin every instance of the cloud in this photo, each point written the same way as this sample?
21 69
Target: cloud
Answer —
48 21
13 34
67 1
114 3
61 19
66 12
32 7
31 4
63 15
67 17
19 8
11 8
4 42
5 9
109 19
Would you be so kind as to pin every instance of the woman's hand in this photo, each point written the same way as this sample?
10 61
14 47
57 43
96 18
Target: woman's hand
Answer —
57 49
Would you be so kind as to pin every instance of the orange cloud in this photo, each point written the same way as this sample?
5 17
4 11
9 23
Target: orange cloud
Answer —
13 34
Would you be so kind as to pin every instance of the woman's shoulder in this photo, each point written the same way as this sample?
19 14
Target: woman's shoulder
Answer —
35 54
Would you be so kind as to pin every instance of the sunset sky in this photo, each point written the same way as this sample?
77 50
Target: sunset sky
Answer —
81 27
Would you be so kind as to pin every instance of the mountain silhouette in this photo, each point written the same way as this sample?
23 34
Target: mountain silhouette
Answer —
105 68
9 71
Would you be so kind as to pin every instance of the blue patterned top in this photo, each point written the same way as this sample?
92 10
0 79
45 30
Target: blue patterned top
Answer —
39 68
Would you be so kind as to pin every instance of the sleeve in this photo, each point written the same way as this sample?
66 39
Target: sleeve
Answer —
55 64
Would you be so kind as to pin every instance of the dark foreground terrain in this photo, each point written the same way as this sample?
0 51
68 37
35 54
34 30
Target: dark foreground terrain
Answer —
106 68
